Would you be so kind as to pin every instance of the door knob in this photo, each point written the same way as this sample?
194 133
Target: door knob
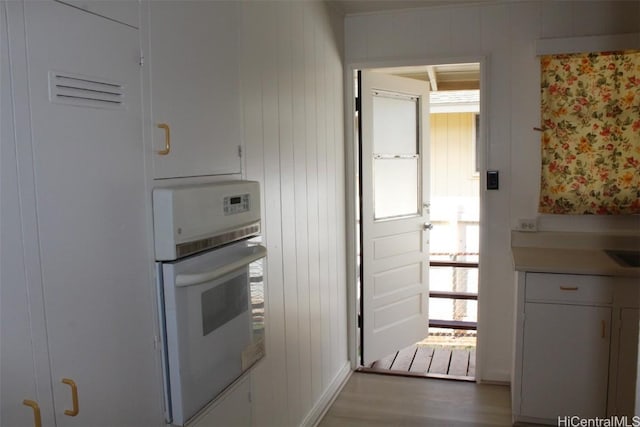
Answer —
428 226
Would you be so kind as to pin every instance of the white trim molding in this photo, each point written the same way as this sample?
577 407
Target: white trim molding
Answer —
330 394
587 44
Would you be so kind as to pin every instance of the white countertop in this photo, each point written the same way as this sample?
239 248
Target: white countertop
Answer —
572 252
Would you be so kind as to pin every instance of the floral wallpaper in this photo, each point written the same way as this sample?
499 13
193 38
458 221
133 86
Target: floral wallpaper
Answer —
591 133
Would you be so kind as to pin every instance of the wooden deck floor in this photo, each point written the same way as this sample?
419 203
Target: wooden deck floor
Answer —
429 361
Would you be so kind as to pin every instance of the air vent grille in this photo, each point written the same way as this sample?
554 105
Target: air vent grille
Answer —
84 91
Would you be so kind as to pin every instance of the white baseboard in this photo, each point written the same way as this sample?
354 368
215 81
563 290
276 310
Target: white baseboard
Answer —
495 377
324 403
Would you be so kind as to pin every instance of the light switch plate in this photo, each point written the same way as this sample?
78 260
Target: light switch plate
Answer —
493 180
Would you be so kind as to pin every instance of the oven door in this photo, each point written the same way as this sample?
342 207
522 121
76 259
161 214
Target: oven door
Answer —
214 320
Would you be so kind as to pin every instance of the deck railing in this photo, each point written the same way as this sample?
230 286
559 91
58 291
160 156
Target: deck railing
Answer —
460 318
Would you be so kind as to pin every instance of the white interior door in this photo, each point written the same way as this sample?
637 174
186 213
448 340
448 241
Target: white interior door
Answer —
395 229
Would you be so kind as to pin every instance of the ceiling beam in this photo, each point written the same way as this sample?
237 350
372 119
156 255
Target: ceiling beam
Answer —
431 71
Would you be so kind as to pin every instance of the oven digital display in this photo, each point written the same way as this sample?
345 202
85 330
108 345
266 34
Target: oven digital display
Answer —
236 204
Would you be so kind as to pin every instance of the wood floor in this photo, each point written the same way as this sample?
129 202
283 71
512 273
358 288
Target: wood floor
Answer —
394 401
430 361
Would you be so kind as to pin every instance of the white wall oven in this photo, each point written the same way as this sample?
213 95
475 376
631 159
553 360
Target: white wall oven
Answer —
210 290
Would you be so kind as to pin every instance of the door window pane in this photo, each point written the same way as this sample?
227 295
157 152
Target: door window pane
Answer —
395 129
395 187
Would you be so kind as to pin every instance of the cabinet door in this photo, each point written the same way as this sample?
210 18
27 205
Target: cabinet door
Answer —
565 361
17 370
627 362
17 362
195 89
88 158
232 409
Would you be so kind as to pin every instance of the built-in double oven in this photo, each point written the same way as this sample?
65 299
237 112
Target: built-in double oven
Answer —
210 290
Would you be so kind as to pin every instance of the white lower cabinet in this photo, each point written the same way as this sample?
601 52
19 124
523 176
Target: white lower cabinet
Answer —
231 409
565 360
574 353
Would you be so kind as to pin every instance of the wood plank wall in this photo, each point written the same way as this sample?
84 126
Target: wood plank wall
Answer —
293 130
452 155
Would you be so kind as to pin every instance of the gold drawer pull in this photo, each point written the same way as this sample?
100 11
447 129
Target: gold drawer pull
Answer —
167 139
74 397
37 419
568 288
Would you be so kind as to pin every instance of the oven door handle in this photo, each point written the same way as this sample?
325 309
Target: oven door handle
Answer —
196 279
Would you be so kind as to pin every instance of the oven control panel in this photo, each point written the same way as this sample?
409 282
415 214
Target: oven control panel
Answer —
236 204
196 217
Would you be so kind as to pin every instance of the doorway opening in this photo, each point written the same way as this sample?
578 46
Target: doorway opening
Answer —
451 209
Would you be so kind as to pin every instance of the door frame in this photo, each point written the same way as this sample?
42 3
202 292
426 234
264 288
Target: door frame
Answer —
352 197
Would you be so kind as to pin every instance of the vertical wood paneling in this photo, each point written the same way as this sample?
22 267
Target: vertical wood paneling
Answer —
525 161
291 58
301 223
356 38
465 25
333 275
436 31
253 48
380 37
272 219
340 209
321 159
557 19
313 202
288 213
407 32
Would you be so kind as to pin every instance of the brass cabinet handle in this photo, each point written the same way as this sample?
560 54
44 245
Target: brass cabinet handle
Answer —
568 288
167 139
37 419
74 397
604 328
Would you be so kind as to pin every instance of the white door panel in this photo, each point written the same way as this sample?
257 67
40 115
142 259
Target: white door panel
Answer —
394 195
395 245
396 278
123 11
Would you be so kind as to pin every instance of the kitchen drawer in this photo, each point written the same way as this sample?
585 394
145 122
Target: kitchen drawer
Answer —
569 288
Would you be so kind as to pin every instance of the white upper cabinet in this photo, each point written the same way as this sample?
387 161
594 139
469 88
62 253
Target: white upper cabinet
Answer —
195 88
124 11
